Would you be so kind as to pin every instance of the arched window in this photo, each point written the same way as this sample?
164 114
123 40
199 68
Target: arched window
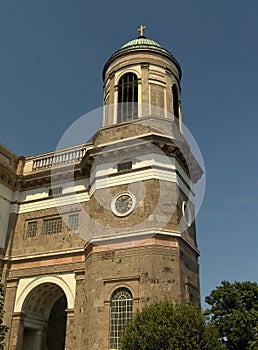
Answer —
121 310
175 103
127 98
191 299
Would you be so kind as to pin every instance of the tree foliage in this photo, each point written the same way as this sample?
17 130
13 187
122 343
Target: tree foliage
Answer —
165 326
253 344
3 328
234 311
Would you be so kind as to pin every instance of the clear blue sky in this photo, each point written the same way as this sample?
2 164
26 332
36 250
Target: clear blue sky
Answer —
51 57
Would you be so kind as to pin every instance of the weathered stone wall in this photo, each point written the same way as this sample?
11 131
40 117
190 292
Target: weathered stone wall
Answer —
150 271
24 245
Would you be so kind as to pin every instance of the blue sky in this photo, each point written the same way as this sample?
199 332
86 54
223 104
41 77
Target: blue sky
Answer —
51 59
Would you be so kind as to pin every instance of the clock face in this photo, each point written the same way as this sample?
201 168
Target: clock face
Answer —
187 213
123 204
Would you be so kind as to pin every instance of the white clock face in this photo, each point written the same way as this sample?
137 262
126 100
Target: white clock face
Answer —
123 204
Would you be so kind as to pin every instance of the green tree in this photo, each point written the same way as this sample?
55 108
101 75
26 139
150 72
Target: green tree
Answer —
3 328
165 326
253 344
234 311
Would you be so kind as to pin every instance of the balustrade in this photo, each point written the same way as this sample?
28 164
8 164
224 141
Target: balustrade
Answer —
57 159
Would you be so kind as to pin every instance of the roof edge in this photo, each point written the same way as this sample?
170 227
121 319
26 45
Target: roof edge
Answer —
125 51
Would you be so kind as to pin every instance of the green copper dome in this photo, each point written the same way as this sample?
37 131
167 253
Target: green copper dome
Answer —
141 44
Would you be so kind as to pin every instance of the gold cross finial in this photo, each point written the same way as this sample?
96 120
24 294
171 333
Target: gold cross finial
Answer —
141 29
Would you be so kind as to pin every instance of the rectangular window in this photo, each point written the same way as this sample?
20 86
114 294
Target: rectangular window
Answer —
52 226
57 191
124 167
73 221
31 228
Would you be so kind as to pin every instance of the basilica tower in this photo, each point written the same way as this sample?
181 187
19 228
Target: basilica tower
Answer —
144 171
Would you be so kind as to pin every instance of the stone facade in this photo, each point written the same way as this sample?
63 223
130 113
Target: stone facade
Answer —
68 247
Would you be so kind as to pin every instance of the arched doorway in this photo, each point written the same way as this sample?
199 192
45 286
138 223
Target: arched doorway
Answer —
44 318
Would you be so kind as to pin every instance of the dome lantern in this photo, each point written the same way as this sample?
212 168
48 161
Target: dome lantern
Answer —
141 72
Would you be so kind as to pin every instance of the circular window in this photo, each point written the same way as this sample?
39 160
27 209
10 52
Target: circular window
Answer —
123 204
186 211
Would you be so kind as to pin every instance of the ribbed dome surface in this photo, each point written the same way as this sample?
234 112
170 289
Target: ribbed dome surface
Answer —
142 43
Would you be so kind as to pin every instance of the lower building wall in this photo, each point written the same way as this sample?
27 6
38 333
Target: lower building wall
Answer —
151 273
152 270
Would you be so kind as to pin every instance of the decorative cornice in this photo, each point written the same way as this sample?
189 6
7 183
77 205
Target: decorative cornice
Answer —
9 178
55 254
114 242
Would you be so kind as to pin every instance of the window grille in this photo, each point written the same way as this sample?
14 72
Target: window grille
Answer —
191 299
73 221
121 310
127 98
124 167
31 228
52 226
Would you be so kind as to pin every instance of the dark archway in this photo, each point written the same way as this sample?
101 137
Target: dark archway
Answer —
57 325
44 318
